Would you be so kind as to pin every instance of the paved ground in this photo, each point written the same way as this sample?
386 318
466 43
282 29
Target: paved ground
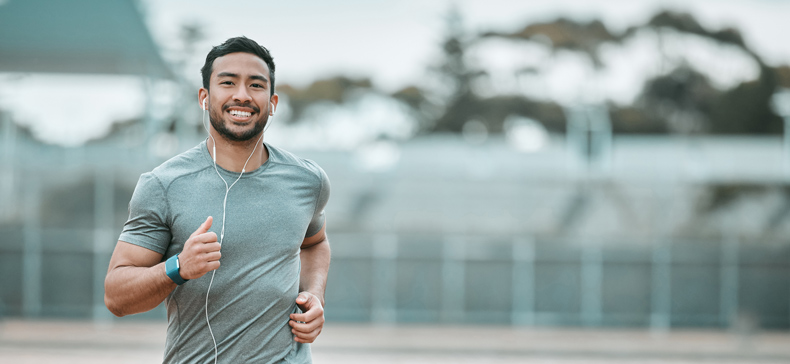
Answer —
142 342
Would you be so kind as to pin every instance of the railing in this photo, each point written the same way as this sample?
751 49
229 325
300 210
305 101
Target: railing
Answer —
460 279
400 277
525 281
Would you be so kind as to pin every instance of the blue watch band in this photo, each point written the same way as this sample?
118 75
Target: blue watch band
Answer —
172 268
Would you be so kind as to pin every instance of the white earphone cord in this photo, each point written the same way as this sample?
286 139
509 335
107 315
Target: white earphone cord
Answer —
224 205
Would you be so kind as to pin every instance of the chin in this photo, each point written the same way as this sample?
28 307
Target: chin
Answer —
242 135
238 132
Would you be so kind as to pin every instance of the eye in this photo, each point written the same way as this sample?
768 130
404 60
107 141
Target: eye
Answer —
258 85
226 83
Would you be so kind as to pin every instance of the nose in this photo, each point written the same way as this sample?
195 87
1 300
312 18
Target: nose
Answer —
241 94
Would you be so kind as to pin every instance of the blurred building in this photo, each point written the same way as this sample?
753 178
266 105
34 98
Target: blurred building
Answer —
62 198
522 228
666 233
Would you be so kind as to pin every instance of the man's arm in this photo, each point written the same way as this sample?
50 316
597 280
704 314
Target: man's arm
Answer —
137 281
315 256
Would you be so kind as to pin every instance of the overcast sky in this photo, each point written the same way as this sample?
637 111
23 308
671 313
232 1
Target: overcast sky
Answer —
394 41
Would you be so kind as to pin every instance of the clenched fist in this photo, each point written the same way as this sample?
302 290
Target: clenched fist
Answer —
201 252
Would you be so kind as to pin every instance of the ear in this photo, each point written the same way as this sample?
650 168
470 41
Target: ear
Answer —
203 98
273 103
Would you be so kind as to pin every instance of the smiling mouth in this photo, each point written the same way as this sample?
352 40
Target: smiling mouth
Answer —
240 114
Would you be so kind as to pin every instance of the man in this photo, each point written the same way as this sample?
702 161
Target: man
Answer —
230 234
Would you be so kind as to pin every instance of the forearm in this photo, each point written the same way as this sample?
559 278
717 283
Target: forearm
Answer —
315 268
129 289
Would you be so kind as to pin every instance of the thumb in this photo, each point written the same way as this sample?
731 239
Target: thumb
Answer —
302 299
203 227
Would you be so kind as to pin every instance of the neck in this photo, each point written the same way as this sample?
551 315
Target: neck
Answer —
232 155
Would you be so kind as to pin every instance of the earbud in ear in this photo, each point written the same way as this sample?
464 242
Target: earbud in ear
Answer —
271 108
204 104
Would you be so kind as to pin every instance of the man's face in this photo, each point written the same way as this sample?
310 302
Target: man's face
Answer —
239 96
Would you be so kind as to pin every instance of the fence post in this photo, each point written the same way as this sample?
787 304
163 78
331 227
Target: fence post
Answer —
661 292
453 279
729 281
103 213
385 292
592 276
523 282
8 163
32 253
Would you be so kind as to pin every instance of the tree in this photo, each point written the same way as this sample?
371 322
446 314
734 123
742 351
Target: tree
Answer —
456 77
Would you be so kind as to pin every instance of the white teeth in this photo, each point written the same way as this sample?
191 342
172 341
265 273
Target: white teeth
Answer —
241 114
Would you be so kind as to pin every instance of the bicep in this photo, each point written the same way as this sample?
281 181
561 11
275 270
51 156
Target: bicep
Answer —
315 238
126 254
318 220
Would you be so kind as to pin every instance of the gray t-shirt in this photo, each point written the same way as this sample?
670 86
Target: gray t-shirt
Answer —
269 213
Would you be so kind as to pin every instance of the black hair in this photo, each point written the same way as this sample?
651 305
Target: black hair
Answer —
234 45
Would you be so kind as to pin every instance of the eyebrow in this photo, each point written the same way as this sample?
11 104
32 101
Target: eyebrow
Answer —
233 75
260 78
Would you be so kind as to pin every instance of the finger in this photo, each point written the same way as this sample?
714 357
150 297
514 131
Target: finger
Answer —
201 244
203 252
207 248
303 317
306 338
306 327
213 265
307 300
303 341
203 228
209 237
302 299
309 315
213 256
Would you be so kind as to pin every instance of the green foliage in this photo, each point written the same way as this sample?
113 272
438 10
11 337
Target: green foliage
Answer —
681 101
336 89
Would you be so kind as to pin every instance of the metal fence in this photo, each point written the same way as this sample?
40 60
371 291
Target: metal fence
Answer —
527 281
460 279
53 260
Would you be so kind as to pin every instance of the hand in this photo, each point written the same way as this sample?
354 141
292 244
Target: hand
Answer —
307 325
201 252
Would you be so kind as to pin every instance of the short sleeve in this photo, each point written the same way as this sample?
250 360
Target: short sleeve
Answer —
147 224
317 222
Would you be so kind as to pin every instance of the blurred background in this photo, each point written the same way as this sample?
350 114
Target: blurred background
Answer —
564 164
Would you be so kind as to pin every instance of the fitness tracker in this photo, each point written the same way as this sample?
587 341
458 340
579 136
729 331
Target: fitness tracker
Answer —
173 269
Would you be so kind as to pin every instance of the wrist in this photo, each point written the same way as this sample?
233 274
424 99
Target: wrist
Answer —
173 270
320 297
